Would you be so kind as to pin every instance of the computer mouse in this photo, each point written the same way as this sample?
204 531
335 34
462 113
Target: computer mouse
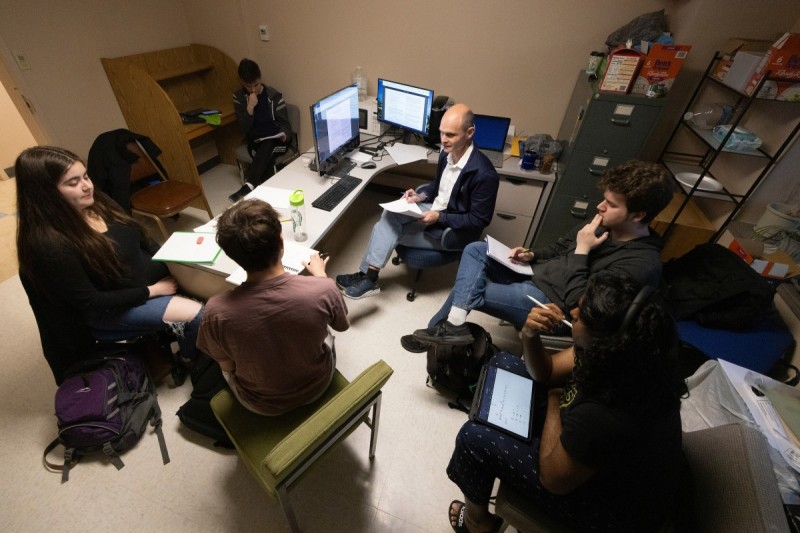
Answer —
368 164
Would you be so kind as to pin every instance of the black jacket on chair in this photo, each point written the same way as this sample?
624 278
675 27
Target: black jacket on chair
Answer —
109 164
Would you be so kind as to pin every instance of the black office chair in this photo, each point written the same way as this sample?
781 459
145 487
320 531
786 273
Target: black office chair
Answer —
421 258
243 158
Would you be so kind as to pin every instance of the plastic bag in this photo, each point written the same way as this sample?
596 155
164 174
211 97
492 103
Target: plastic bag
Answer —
647 27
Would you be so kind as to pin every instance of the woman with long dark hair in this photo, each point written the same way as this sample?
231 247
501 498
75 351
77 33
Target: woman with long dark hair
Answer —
608 453
86 265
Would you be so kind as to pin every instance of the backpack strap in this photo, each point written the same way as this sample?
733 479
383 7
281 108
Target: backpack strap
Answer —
113 456
156 423
69 460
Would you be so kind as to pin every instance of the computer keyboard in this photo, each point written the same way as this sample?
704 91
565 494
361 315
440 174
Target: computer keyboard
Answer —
337 192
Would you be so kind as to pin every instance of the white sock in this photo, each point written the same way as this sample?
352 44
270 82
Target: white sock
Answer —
457 316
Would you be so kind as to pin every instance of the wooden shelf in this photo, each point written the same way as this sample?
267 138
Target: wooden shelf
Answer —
154 87
187 70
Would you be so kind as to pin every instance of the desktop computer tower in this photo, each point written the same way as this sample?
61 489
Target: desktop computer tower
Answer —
368 118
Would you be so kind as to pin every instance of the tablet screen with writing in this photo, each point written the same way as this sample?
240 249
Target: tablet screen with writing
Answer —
506 402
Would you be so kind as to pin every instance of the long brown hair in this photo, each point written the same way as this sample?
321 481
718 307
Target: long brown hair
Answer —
46 219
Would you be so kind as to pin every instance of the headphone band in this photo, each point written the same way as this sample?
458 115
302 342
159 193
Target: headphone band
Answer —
636 307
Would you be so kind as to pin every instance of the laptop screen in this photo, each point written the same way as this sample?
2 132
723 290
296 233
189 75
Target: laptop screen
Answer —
490 132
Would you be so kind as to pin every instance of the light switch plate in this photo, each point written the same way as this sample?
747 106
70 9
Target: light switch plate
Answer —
263 32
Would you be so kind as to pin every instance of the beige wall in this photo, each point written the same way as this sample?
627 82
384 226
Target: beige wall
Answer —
518 58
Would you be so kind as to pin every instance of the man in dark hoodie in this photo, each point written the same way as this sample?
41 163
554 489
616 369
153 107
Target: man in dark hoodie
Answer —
262 115
618 239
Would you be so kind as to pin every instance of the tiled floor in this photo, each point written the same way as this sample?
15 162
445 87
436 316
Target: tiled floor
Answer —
405 488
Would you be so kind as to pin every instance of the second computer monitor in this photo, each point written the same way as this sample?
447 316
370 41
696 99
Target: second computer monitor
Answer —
334 120
405 106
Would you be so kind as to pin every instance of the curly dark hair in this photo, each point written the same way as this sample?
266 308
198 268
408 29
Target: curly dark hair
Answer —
633 369
250 233
646 186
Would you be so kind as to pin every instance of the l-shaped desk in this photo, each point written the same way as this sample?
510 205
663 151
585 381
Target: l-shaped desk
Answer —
521 199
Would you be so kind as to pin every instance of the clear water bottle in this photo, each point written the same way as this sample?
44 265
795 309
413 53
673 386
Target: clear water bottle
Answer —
710 115
298 213
361 79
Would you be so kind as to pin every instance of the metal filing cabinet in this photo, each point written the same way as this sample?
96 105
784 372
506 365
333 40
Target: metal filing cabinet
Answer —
602 130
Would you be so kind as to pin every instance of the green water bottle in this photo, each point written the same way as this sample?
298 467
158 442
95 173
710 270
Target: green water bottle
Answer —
298 214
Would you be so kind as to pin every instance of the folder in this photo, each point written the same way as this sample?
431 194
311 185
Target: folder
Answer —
189 247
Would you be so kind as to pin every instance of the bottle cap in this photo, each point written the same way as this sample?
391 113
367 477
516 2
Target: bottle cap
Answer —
297 198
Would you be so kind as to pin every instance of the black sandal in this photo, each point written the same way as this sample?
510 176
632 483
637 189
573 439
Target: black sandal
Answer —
458 525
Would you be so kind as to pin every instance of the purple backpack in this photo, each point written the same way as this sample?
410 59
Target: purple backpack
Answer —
105 405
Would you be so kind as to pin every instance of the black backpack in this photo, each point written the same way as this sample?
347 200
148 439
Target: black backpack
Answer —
457 368
105 405
196 413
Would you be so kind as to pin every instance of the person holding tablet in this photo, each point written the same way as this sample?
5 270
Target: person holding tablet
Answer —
607 454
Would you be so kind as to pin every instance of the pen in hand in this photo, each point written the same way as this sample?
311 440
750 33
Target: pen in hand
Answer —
540 304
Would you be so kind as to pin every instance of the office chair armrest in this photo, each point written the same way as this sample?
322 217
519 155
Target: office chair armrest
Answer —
307 437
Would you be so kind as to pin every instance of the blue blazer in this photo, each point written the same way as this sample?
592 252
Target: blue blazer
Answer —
472 201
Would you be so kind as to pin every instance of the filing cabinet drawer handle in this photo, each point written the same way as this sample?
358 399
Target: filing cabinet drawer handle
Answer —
578 212
596 171
506 217
515 181
621 121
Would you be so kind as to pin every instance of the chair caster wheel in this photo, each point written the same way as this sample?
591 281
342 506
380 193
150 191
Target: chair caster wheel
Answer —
411 296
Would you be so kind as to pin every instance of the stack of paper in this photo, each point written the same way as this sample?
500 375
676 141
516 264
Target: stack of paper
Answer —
189 247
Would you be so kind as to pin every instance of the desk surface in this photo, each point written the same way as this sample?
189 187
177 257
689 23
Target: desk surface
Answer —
297 176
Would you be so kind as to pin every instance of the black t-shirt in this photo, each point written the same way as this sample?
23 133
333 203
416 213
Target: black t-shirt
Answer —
136 252
638 461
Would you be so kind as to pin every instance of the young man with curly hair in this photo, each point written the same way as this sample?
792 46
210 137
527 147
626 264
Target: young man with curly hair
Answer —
618 239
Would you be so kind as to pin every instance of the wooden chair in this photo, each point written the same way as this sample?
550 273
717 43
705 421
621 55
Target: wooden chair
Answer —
163 198
277 450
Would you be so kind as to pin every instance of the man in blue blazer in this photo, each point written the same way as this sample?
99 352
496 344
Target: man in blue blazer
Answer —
462 197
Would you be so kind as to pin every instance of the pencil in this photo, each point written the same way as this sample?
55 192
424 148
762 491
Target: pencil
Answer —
540 304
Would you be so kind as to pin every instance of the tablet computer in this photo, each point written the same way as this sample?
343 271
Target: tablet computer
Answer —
504 401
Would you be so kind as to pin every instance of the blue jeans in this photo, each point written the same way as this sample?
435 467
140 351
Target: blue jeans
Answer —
393 229
484 284
147 318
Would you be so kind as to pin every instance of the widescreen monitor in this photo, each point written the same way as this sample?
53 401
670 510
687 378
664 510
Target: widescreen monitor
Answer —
405 106
334 120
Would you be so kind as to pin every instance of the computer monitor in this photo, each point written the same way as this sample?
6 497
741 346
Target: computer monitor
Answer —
334 120
405 106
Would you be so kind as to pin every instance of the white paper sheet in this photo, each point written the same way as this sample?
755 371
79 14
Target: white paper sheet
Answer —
407 153
500 252
403 207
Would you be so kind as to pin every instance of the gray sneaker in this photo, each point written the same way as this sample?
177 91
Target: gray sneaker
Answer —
362 288
345 280
445 333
